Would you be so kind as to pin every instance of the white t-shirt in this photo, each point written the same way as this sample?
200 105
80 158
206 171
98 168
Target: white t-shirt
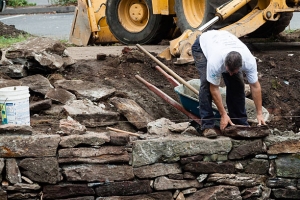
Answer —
216 44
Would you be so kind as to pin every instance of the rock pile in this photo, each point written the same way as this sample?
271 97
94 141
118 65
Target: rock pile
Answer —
164 160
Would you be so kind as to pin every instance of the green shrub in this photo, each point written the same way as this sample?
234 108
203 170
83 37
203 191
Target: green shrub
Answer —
64 2
16 3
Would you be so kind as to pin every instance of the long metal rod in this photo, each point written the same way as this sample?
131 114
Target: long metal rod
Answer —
169 70
169 99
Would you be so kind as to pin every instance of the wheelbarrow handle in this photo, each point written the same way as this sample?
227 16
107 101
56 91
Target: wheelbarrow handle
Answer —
168 99
181 80
169 78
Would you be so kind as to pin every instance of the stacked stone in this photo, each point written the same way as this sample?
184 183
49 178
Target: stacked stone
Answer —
110 165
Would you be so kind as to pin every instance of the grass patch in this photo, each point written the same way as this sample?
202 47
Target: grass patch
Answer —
17 3
64 2
8 41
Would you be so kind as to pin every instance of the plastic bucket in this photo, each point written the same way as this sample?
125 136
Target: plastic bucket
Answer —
14 105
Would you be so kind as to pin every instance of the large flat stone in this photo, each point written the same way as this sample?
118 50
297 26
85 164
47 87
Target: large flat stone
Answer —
239 180
170 149
86 89
244 148
43 170
105 154
283 144
152 196
135 114
164 183
90 172
124 188
217 192
66 190
91 115
157 169
90 138
29 146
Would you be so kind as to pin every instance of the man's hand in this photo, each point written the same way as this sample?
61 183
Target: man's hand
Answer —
260 120
225 120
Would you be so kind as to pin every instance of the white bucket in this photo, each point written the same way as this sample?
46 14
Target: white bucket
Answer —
14 105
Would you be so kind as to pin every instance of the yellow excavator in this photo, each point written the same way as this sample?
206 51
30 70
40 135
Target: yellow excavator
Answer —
150 21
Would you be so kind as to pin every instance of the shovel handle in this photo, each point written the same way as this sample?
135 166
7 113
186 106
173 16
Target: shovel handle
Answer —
169 70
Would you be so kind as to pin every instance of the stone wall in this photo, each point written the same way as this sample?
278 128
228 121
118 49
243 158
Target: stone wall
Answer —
115 166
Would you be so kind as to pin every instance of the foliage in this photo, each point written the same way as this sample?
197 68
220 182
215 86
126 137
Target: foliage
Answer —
16 3
63 2
8 41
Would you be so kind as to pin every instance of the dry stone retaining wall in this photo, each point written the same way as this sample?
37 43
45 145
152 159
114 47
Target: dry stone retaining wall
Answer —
115 166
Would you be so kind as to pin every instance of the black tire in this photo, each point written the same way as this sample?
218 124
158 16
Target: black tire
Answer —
154 31
270 28
273 28
202 14
2 5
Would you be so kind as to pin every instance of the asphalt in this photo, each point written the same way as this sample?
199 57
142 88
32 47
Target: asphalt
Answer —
38 9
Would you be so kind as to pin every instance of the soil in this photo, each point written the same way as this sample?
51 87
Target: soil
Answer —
279 76
9 30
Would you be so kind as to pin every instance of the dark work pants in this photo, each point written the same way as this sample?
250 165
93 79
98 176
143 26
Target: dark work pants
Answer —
235 94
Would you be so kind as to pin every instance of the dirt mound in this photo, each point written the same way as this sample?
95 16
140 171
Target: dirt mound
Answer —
278 75
10 31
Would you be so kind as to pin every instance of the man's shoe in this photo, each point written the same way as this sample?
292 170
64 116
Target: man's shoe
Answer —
210 133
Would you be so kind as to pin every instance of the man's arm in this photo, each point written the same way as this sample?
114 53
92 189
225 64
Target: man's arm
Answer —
256 95
216 95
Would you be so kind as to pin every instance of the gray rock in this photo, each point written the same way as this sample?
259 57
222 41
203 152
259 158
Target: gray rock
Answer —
153 196
98 172
90 138
1 169
135 114
14 71
157 169
247 132
163 183
55 110
171 148
124 188
210 167
40 105
239 180
281 182
22 187
251 192
286 193
37 83
217 192
159 127
90 115
179 127
283 144
70 126
105 154
66 190
43 170
60 95
85 89
13 174
29 146
288 166
11 129
9 83
244 148
257 166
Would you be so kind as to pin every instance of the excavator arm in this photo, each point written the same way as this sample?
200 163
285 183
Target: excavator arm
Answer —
181 47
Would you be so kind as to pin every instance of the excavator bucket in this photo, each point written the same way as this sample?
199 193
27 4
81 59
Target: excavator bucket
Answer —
89 24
